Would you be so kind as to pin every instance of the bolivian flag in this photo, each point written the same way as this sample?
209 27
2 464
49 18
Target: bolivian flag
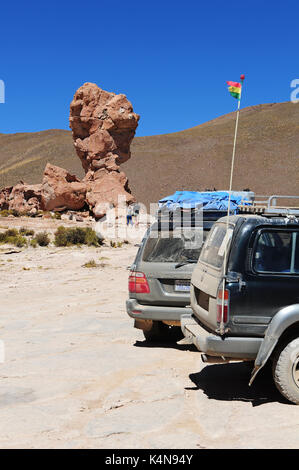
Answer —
235 89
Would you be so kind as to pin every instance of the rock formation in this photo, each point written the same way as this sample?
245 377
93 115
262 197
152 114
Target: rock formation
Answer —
103 125
61 190
4 197
23 198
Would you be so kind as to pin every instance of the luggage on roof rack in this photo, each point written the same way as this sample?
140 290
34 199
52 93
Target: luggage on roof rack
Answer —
190 208
210 204
268 207
205 200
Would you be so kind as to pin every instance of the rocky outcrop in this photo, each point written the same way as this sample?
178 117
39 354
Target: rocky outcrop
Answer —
107 189
60 190
4 197
22 198
103 125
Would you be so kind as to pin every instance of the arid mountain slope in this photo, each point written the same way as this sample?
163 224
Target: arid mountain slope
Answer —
24 156
267 156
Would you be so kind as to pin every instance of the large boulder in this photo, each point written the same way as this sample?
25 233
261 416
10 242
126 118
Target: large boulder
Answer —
103 125
60 189
106 190
24 198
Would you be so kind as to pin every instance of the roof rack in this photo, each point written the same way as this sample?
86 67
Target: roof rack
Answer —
269 207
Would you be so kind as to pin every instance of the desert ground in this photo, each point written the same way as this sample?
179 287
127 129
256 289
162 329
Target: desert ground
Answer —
76 374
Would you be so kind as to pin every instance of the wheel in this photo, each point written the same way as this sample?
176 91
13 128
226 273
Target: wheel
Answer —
286 370
161 332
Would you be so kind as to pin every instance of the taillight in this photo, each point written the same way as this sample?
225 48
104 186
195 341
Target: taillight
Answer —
222 305
138 283
132 282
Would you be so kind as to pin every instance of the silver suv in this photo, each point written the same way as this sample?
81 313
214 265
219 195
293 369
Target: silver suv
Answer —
159 279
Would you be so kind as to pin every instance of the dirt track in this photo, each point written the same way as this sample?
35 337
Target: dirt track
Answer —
78 375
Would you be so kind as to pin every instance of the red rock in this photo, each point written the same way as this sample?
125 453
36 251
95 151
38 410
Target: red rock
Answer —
61 189
105 190
4 197
25 197
101 122
103 125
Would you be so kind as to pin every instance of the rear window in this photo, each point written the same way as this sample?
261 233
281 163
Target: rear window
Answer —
214 248
277 252
170 248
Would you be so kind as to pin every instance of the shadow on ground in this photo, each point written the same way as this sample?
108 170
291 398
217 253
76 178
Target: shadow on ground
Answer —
230 382
165 344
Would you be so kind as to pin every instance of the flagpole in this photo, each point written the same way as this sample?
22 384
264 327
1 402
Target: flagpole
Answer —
221 327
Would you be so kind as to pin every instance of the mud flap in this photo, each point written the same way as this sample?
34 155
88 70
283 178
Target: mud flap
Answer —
263 355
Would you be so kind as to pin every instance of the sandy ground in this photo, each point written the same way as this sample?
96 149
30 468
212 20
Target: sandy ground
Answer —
78 375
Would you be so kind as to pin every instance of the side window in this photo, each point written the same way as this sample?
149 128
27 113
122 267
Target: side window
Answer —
277 252
214 248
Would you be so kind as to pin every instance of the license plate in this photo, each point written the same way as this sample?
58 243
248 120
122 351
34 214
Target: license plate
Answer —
182 286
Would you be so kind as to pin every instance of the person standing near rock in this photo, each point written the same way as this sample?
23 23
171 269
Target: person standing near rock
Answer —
129 215
136 210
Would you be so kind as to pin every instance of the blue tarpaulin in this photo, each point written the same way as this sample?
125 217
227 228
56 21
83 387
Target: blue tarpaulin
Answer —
208 200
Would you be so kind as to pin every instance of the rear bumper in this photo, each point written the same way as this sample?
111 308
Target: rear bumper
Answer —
153 312
213 345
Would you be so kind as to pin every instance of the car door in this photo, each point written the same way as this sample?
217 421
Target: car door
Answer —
272 276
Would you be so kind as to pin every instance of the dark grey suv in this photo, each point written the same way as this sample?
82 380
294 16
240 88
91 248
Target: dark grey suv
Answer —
246 304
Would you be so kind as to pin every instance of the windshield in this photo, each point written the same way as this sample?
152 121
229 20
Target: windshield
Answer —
214 249
170 248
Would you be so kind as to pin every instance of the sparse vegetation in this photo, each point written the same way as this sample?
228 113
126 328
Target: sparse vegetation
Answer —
20 241
13 237
11 232
33 243
42 238
90 264
26 232
7 212
91 237
116 244
2 237
4 213
75 236
63 237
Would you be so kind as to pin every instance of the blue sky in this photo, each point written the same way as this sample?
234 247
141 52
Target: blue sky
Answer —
171 58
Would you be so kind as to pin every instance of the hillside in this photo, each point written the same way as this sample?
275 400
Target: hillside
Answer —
267 156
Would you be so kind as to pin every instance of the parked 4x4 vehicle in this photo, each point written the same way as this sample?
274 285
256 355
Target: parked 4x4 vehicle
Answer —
159 280
159 283
248 307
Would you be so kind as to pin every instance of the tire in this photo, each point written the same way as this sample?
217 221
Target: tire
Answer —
161 332
286 370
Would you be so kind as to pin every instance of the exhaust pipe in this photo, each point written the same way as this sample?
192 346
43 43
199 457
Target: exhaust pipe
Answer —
214 359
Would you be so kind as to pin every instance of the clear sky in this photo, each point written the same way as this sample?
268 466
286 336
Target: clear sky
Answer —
171 58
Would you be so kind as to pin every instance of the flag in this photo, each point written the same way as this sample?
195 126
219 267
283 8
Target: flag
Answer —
235 89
